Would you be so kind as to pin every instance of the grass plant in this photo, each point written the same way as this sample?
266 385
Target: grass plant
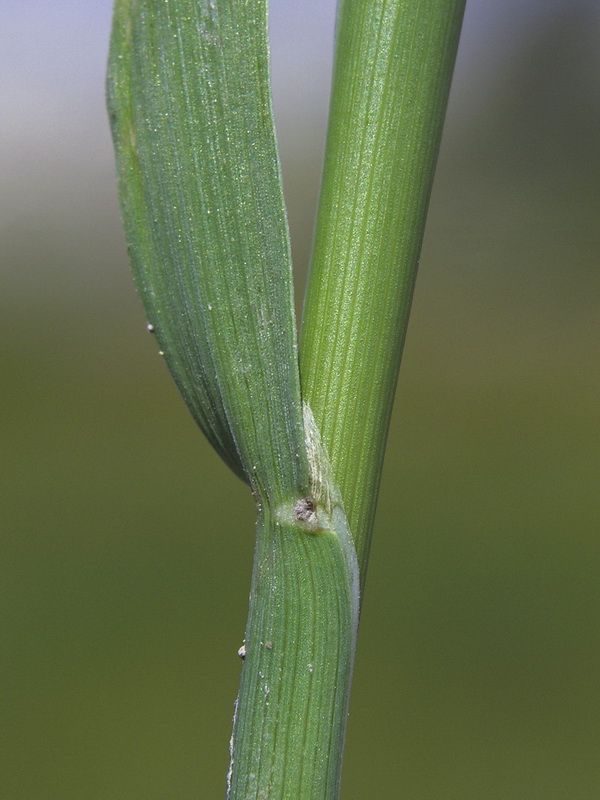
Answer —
304 425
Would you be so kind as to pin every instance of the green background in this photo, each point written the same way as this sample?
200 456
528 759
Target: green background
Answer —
126 545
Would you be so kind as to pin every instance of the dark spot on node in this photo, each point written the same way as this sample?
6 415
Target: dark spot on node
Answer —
305 509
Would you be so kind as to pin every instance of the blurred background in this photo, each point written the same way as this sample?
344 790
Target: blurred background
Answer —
126 545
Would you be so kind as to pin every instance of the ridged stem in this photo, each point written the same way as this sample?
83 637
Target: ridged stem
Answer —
393 67
290 721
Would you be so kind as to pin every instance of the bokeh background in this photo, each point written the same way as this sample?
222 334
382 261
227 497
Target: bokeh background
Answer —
126 546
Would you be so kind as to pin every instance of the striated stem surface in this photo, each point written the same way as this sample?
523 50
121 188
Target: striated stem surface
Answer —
393 67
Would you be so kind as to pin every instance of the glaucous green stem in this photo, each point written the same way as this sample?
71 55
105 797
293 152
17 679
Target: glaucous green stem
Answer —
290 722
393 67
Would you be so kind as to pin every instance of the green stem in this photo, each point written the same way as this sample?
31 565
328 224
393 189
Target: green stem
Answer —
290 722
393 68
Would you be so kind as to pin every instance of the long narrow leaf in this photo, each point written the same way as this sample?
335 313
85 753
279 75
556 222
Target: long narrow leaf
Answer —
203 209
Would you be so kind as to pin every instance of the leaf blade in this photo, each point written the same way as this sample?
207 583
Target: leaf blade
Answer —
205 222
